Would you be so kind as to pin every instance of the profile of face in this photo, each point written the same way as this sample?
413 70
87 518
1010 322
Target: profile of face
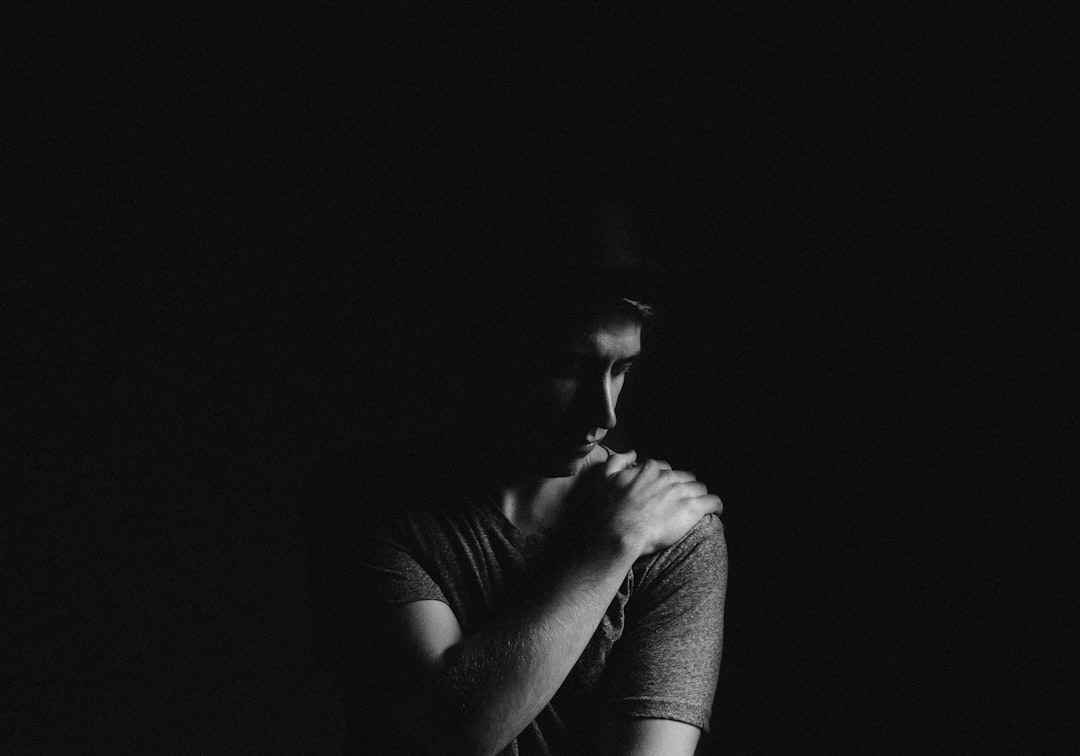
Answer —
561 407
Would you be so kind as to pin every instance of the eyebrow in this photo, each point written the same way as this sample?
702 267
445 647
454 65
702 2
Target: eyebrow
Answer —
585 354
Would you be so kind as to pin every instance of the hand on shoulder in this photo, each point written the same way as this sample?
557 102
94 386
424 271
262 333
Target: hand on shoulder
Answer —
647 505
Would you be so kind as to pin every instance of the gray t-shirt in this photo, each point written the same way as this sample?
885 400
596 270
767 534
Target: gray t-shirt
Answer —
655 654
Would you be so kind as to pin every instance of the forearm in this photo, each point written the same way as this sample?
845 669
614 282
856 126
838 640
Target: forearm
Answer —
497 680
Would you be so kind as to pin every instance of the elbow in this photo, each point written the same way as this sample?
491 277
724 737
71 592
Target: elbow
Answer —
462 730
455 728
460 720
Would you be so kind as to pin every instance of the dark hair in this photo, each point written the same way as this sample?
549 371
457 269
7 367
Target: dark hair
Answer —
556 251
640 311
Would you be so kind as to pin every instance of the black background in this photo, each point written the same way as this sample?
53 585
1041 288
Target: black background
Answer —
230 221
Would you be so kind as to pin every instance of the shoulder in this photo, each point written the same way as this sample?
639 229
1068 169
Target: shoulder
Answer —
705 542
707 534
702 552
709 527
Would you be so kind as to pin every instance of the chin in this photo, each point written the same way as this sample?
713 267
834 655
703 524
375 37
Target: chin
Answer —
566 466
562 469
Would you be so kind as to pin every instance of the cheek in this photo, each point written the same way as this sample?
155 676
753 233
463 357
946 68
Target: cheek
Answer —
548 400
560 394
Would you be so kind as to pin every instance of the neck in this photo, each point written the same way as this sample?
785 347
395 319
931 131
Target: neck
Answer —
536 505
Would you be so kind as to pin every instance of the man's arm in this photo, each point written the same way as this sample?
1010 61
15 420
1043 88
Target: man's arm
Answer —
650 737
479 692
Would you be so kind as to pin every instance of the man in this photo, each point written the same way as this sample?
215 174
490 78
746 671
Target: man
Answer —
516 586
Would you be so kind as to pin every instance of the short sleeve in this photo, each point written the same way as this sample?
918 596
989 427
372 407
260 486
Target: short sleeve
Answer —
390 574
667 662
355 573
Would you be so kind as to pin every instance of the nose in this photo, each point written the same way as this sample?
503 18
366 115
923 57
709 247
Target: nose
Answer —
601 402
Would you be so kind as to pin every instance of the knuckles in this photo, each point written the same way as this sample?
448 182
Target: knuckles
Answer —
692 489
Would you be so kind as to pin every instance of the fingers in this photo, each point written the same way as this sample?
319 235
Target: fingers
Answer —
657 476
711 504
618 462
654 474
693 489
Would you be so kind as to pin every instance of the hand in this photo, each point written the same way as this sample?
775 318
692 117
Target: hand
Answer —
649 505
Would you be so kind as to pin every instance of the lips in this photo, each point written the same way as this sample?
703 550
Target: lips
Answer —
586 445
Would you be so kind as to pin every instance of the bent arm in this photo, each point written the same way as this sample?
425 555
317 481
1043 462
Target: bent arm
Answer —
480 691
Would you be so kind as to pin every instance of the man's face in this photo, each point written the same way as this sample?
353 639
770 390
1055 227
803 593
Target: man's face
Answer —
565 403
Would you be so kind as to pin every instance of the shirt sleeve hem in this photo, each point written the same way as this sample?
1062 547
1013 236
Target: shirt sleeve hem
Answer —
401 600
674 710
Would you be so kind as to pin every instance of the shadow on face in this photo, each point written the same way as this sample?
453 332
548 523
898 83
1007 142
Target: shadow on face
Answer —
554 395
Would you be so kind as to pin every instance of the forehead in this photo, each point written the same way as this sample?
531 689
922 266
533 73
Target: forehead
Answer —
613 338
